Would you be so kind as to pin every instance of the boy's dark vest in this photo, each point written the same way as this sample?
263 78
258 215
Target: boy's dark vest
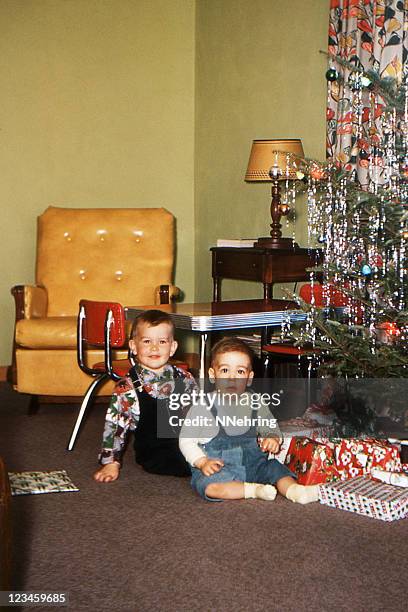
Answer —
160 455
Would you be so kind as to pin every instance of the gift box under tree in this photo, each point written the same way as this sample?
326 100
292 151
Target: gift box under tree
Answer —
312 462
356 457
365 496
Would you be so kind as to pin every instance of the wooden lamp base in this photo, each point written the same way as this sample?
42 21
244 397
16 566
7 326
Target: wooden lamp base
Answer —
267 242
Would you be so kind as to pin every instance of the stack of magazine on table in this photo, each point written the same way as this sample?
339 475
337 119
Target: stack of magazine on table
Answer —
237 243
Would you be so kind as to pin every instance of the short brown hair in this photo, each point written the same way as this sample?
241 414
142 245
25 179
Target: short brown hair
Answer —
231 345
152 318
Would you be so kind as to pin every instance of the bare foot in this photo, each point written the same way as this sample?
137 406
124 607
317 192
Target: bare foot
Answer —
107 473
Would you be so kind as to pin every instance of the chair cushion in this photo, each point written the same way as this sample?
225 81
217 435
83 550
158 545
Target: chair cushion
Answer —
284 349
50 332
290 349
55 372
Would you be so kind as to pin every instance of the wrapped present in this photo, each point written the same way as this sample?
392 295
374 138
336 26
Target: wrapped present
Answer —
320 413
398 479
299 427
358 457
304 427
313 463
365 496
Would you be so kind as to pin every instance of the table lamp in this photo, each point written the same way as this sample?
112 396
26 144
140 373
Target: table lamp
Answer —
274 160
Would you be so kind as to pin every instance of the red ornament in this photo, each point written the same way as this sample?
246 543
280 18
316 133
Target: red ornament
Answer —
387 332
318 173
391 328
377 260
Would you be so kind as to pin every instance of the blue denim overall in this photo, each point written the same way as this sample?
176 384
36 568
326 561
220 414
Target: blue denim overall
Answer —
243 460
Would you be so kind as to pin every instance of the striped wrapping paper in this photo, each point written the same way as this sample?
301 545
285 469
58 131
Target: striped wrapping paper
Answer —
366 496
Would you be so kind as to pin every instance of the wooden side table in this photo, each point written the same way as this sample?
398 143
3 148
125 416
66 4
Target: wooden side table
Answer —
266 266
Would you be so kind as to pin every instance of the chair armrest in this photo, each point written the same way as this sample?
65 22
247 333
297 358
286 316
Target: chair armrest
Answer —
31 302
165 294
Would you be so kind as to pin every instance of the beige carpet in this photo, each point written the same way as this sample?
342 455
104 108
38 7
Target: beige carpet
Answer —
147 543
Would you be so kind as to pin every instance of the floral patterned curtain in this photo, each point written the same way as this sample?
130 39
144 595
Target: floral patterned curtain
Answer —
370 35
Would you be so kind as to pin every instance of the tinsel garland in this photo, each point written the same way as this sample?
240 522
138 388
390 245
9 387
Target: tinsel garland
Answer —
364 238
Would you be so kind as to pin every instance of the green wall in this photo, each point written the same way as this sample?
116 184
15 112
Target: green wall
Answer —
151 103
96 110
259 75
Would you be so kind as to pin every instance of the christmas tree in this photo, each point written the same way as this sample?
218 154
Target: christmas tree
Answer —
361 331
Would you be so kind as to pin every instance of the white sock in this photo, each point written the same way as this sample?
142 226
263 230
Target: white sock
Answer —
259 491
301 494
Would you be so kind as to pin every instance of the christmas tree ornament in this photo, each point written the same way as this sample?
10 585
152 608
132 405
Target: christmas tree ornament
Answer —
332 75
387 332
366 81
318 173
366 270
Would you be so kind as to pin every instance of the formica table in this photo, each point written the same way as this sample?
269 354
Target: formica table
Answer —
266 266
206 317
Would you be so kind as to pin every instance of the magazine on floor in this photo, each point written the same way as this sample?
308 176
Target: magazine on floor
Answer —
29 483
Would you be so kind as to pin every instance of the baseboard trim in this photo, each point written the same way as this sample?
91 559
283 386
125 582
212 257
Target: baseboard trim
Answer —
3 373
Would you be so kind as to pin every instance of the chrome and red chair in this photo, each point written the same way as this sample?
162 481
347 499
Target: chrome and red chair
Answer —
101 325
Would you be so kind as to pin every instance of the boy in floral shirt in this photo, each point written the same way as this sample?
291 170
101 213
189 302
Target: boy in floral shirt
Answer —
141 398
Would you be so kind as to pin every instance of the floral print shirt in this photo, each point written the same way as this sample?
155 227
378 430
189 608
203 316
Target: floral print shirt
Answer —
123 412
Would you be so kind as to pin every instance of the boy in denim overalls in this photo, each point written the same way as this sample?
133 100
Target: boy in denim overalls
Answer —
231 462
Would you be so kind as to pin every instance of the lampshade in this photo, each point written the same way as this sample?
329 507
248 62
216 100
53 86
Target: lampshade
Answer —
267 153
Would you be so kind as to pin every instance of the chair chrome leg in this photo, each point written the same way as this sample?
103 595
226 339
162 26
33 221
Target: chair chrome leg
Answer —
203 355
87 398
266 366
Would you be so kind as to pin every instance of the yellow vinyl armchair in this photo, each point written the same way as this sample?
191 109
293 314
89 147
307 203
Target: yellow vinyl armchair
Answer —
122 255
